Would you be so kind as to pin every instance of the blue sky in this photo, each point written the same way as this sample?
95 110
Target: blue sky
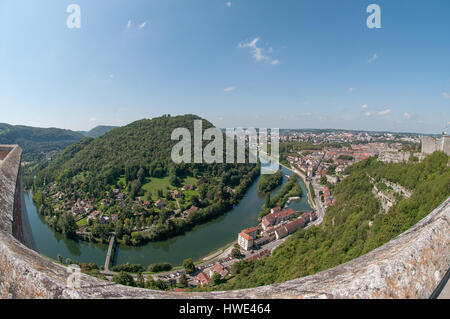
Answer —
261 63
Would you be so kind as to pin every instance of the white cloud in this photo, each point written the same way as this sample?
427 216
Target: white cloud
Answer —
229 4
93 119
142 25
373 58
365 106
351 90
275 62
257 52
368 114
384 112
129 24
446 95
407 115
111 76
229 89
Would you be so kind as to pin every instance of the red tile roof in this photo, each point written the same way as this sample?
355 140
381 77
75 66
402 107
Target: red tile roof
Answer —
250 230
203 278
246 236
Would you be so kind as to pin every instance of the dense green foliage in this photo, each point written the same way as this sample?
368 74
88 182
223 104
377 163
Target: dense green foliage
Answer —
37 143
124 278
133 268
269 182
189 266
159 267
290 189
354 225
135 161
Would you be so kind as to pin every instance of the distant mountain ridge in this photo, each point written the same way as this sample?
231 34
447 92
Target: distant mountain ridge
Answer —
97 131
37 143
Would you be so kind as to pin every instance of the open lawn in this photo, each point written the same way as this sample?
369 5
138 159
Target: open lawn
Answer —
82 222
153 184
189 181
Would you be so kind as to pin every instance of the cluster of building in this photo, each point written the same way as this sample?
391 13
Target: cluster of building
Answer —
90 209
317 163
327 198
276 225
341 136
204 277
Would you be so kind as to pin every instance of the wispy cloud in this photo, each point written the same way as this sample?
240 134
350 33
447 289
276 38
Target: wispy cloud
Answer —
229 4
368 114
129 24
111 76
142 25
351 90
229 89
446 95
275 62
365 106
407 115
373 58
93 119
384 112
256 51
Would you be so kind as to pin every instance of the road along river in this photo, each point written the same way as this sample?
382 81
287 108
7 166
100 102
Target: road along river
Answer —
201 241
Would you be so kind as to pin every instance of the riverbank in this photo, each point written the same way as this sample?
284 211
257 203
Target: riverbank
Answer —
306 182
302 176
203 241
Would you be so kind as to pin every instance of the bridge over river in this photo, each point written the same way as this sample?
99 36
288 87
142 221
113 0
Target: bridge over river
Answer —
109 253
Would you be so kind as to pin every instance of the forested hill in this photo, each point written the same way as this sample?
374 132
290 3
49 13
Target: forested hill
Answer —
123 152
128 177
356 223
37 142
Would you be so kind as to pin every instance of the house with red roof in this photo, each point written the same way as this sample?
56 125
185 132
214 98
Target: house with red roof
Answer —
203 279
218 268
277 217
189 211
247 237
176 193
159 204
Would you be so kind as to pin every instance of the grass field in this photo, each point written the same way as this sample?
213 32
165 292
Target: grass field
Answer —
82 222
153 184
189 181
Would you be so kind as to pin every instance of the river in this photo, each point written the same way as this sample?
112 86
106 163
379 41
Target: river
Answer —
197 243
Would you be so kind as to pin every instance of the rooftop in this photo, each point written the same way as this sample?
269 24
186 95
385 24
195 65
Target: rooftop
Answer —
246 236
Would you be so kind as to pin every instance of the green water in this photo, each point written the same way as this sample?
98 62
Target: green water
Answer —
197 243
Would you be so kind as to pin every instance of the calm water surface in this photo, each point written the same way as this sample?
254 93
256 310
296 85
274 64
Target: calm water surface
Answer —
197 243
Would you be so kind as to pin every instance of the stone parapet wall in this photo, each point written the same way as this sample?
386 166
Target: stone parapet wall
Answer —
409 266
9 185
